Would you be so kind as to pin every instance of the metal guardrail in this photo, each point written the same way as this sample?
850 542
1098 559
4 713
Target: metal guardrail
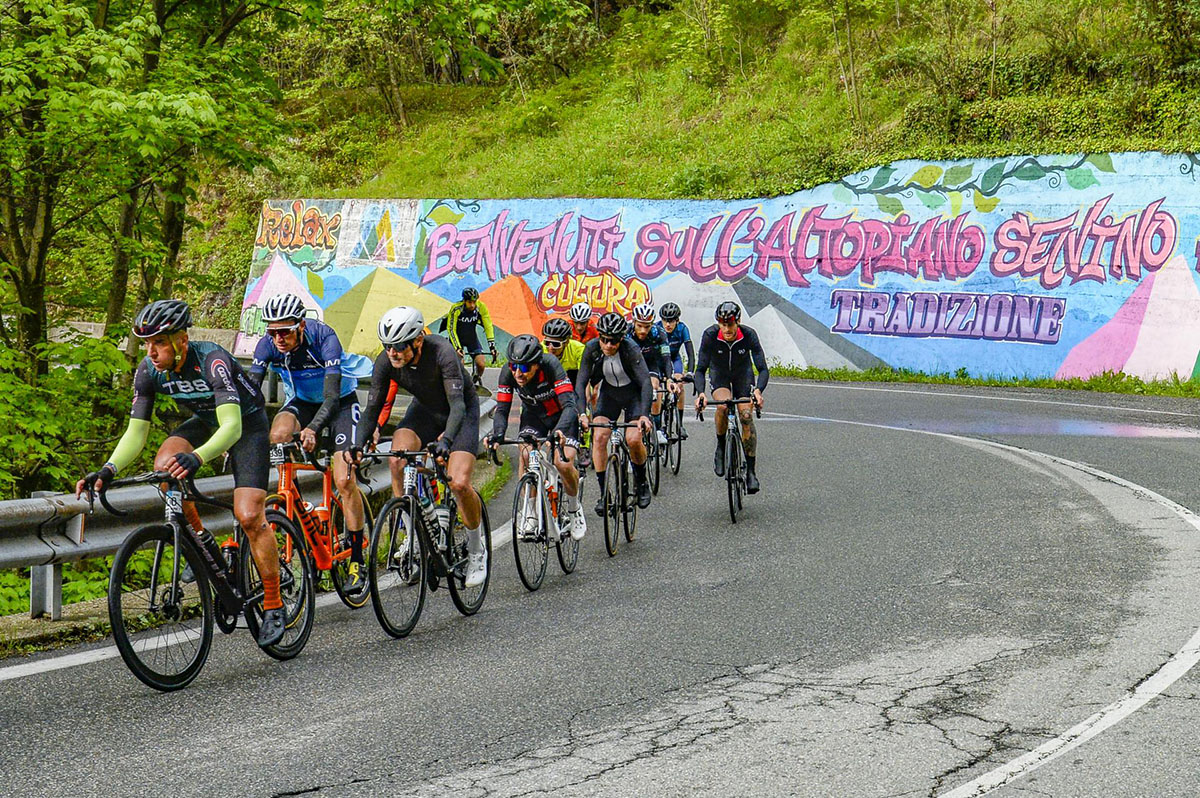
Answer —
49 529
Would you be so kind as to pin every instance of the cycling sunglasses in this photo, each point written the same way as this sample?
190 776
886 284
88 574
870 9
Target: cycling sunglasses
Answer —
398 348
283 332
611 339
524 368
555 344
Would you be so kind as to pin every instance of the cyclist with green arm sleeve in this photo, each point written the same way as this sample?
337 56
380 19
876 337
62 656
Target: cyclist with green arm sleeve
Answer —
461 321
228 416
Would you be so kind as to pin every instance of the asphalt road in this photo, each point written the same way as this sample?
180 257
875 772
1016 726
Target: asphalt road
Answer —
897 613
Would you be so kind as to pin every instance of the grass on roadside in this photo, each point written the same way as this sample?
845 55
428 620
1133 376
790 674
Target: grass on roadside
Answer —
1107 382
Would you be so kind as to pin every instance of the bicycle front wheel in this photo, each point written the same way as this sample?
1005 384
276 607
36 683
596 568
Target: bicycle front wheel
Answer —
296 587
162 625
531 547
675 444
396 567
612 505
733 464
629 505
468 600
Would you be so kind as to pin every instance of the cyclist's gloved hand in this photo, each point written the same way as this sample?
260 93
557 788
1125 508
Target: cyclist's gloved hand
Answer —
441 449
105 475
185 465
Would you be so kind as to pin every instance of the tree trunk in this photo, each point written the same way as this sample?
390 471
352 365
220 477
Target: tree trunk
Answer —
118 289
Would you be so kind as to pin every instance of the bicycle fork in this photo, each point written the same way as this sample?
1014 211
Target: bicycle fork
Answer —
231 600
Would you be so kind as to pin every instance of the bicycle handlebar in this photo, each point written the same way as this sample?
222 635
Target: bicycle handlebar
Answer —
294 446
731 402
528 439
187 488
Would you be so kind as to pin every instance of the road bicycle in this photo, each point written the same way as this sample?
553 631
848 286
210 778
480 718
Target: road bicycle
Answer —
162 617
418 540
735 452
620 500
324 525
672 415
540 513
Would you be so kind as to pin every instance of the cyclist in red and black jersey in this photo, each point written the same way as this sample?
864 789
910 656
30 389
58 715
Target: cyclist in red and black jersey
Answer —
733 353
548 407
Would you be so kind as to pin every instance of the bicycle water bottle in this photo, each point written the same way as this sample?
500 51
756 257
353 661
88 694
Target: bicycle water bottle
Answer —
210 543
443 516
308 519
429 513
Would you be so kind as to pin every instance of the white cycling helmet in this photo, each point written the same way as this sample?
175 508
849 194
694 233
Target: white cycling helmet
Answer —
400 325
581 311
644 312
283 307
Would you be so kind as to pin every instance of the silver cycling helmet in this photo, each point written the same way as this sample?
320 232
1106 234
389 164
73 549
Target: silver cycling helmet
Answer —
644 312
283 307
581 311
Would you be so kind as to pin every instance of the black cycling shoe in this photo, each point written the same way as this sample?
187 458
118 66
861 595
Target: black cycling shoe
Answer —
719 461
600 505
272 628
752 485
682 434
643 494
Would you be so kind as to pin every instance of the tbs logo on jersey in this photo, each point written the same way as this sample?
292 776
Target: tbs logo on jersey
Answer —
186 386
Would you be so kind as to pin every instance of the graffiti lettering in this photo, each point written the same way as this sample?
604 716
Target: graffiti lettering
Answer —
1056 249
605 292
996 317
504 249
834 246
281 229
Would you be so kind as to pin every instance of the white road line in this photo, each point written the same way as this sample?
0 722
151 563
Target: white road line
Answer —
501 537
1170 672
987 396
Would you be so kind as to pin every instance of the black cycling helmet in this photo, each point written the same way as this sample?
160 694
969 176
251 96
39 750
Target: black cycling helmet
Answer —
729 310
556 330
470 294
524 349
612 325
163 316
669 312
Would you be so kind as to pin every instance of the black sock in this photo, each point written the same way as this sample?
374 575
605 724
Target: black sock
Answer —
639 471
356 545
720 443
749 462
600 478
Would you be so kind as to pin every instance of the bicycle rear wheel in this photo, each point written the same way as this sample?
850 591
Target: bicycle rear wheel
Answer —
531 547
296 587
468 600
340 572
395 568
653 451
161 625
612 505
733 451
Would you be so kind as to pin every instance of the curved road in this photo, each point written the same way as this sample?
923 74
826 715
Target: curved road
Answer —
906 608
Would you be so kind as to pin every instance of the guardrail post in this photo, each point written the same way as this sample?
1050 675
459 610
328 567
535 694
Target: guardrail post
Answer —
45 581
45 591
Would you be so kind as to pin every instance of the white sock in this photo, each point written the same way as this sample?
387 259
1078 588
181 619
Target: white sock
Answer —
474 540
572 503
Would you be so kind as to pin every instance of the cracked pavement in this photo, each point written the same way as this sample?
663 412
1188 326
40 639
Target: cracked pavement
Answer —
895 614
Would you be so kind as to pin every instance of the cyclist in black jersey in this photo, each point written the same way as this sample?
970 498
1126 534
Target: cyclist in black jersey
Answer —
547 406
614 363
733 353
657 354
322 392
228 415
444 410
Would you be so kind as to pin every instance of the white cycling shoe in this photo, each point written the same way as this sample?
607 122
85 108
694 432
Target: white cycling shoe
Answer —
578 524
477 569
662 438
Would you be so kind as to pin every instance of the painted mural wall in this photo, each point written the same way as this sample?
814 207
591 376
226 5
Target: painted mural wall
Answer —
1041 266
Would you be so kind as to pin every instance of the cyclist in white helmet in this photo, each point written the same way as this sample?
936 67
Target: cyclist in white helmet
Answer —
582 326
657 354
444 409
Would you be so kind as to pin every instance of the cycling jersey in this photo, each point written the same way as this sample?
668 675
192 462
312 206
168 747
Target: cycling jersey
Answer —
209 377
680 338
589 333
624 375
461 324
444 399
548 400
733 363
655 351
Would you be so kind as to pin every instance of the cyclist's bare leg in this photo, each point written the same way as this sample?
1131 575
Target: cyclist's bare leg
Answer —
458 469
404 440
348 492
600 436
656 405
722 412
637 447
248 507
566 469
166 453
749 433
522 460
480 364
284 427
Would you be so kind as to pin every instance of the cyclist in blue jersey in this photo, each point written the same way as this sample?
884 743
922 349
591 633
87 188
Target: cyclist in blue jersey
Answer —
678 338
320 382
228 415
653 342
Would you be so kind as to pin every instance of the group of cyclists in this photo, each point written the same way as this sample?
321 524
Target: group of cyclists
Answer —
583 373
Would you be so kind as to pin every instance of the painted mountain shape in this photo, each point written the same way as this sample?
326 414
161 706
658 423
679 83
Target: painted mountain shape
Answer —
355 315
